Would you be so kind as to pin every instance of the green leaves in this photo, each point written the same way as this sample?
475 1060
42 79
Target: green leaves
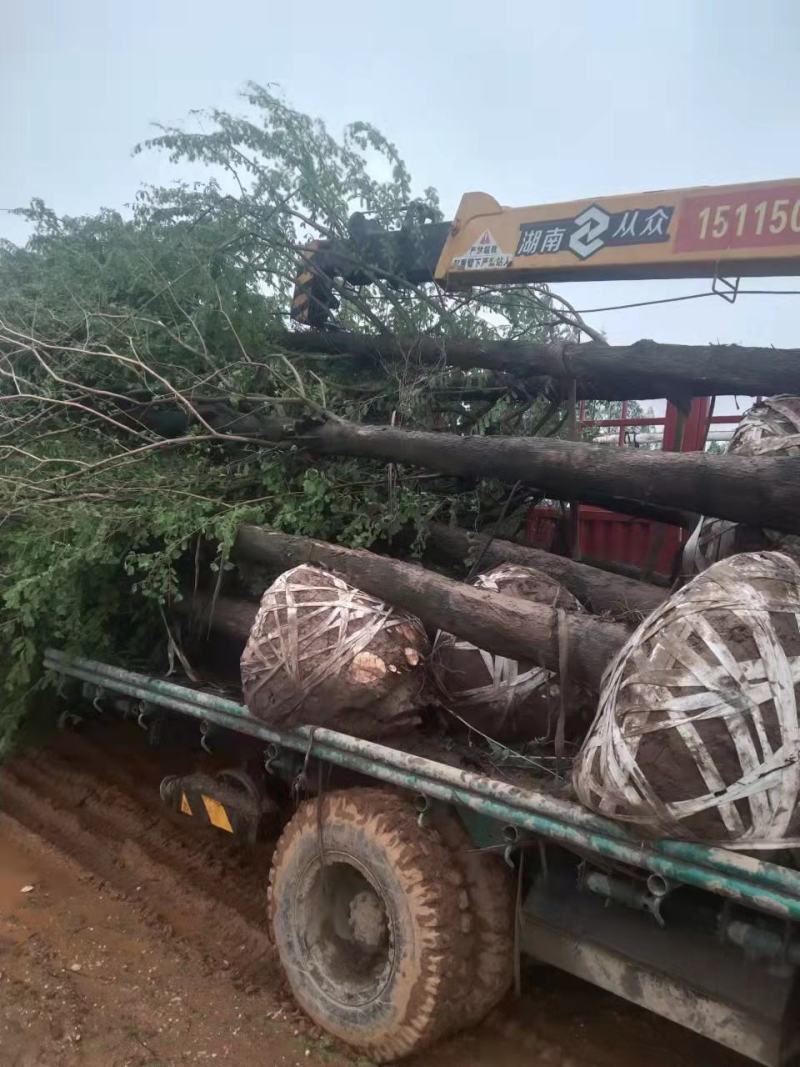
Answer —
121 336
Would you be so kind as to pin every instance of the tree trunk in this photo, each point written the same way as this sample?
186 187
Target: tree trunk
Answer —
756 490
643 370
628 570
498 623
231 616
599 591
226 419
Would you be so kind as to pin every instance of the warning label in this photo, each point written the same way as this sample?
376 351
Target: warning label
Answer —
483 255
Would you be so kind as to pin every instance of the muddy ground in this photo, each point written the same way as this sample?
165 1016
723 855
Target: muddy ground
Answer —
142 942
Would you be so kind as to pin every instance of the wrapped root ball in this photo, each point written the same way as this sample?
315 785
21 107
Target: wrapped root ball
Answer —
696 734
322 653
770 428
507 699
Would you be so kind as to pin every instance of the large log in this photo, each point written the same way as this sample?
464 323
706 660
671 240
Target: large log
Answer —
667 486
756 490
601 592
224 418
232 617
643 370
498 623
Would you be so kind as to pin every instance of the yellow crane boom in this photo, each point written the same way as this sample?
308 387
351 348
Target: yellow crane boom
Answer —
732 231
728 231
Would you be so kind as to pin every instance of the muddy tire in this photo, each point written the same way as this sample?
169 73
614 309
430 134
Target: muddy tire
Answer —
491 892
373 937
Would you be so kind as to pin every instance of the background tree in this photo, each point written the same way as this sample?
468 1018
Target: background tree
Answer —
139 351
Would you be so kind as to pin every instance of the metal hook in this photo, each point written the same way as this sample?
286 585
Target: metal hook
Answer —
511 837
271 755
726 289
94 693
300 784
141 719
205 731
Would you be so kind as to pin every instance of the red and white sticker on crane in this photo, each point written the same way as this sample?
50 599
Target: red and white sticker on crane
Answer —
485 254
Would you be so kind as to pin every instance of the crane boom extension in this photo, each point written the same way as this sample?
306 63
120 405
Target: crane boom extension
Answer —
706 232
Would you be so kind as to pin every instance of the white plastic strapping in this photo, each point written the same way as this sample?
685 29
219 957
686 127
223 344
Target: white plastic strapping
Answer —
311 639
680 671
507 683
770 428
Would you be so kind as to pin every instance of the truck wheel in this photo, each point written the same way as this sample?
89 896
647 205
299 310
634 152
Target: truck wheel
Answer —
490 888
371 921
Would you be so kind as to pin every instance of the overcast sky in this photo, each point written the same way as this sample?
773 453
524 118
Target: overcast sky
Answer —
532 102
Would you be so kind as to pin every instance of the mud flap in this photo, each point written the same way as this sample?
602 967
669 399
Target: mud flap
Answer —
231 802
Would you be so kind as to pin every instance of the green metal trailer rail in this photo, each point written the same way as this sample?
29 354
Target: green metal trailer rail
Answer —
758 884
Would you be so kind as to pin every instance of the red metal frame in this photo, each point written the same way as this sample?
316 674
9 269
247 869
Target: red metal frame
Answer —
615 538
650 420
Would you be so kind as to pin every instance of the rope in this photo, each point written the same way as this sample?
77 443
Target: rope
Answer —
507 684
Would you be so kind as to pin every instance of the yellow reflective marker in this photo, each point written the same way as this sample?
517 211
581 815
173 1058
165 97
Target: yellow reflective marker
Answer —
185 808
217 815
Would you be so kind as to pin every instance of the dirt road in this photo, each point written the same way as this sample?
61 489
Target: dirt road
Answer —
142 942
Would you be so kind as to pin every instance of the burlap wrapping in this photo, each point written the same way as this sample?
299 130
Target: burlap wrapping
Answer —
769 428
696 734
503 698
322 653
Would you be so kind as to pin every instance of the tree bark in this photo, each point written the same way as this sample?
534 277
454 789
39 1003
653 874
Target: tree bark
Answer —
756 490
628 570
761 491
225 419
669 487
601 592
498 623
231 616
642 371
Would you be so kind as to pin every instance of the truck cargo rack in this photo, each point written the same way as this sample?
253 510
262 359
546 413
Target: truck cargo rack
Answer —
759 884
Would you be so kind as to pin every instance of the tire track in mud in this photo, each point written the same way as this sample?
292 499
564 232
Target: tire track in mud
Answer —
202 889
212 862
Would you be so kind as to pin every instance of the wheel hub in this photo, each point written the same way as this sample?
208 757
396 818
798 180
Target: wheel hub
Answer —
367 920
347 931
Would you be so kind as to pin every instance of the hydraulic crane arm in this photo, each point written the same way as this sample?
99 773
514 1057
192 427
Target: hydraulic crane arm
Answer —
706 232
